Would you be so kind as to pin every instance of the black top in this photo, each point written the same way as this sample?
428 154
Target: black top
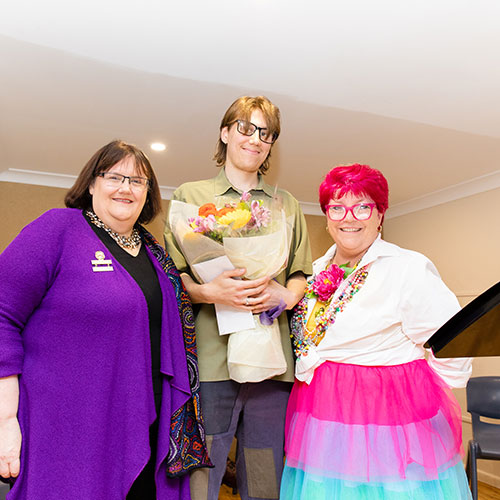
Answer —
141 269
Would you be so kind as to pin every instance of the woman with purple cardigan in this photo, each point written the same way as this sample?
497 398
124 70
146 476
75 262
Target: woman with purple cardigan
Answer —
98 375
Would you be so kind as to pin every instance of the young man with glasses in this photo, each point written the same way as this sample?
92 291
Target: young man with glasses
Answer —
253 412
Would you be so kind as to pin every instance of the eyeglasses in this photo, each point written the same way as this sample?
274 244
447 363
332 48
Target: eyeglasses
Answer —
360 211
113 179
248 129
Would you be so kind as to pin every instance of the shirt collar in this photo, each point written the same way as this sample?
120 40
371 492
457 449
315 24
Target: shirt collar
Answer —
379 248
222 185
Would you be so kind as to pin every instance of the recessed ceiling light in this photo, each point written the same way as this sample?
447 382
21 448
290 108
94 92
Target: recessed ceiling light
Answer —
158 146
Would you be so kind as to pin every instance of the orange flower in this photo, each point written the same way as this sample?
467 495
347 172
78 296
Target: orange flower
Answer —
223 211
207 209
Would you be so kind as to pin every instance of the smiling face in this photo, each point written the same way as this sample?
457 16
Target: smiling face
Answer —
118 207
353 237
245 153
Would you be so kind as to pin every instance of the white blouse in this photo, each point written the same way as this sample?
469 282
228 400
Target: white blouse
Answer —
401 304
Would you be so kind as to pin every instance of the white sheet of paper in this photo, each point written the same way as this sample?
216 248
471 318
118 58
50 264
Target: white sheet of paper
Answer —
229 319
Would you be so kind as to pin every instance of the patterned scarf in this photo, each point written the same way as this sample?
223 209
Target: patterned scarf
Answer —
187 432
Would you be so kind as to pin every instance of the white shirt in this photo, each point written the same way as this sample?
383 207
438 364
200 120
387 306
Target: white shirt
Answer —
401 304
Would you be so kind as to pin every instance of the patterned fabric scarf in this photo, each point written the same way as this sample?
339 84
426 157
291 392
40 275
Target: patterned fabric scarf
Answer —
187 432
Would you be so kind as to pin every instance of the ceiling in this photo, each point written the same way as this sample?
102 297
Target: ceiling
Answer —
411 89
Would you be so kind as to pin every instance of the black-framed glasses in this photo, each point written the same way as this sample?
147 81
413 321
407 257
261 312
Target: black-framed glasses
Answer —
248 128
360 211
114 179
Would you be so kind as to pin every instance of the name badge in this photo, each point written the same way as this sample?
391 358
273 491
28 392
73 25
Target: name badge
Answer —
101 263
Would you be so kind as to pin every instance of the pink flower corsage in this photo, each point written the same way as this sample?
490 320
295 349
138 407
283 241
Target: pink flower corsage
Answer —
326 282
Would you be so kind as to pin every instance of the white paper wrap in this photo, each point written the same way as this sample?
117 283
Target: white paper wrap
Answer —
254 352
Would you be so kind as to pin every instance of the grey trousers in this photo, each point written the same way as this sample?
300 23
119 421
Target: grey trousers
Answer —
255 414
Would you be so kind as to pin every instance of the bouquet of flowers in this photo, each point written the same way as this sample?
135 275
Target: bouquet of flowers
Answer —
226 235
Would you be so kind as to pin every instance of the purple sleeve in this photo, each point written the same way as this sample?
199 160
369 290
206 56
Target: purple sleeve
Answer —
27 268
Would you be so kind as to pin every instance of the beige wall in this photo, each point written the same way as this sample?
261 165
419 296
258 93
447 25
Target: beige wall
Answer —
320 239
22 203
462 238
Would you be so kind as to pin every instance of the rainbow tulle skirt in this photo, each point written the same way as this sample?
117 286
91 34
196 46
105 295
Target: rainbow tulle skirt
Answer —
373 432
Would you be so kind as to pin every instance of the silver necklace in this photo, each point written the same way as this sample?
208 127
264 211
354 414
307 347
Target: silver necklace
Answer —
132 241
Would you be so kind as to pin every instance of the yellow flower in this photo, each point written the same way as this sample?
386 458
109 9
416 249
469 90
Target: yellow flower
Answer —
238 217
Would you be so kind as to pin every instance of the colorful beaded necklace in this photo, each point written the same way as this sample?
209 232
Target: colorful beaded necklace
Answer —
132 241
303 338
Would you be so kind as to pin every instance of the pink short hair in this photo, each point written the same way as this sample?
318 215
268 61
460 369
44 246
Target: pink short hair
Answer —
358 180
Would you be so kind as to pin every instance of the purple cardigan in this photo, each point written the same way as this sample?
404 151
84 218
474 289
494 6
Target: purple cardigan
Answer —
79 340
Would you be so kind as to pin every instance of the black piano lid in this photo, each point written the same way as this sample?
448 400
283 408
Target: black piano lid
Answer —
473 331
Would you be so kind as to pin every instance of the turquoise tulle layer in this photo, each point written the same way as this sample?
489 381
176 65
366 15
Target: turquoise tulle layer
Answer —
298 485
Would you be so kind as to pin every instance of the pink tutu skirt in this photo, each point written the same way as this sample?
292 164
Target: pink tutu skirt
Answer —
373 432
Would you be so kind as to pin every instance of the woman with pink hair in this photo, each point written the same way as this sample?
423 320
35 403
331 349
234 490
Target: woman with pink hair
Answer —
370 415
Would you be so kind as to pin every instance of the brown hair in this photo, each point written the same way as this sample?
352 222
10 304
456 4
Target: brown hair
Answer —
242 109
108 156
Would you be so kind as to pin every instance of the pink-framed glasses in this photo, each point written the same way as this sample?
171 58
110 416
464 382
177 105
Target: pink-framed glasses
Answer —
360 211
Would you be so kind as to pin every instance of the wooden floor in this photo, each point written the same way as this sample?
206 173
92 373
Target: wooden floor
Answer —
226 493
485 492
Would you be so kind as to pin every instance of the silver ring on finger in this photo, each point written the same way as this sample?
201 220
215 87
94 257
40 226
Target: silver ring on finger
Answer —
247 302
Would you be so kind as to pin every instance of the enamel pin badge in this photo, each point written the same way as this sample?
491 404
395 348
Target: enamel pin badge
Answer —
101 263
